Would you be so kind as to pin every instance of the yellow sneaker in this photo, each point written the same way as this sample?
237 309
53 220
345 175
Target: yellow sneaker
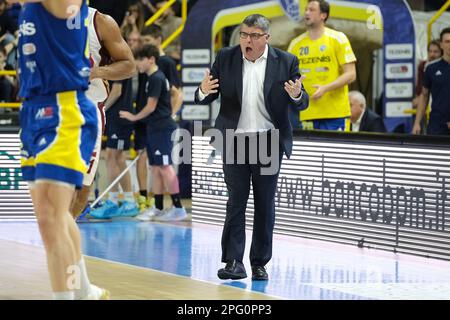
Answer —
142 203
150 202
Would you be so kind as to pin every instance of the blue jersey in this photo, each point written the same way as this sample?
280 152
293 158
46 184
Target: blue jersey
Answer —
53 53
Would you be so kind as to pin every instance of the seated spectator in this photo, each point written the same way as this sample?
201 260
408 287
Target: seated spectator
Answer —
363 119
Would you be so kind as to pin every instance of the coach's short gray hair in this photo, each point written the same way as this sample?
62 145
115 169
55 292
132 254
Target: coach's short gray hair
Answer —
257 21
358 96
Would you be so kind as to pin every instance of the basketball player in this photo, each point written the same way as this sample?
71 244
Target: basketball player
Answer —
327 60
111 59
58 131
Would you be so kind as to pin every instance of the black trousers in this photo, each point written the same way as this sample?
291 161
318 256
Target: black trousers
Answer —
238 177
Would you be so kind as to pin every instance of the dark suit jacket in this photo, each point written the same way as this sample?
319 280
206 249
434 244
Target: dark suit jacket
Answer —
371 122
281 67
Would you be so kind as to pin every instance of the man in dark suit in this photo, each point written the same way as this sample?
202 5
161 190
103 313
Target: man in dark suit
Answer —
257 84
362 118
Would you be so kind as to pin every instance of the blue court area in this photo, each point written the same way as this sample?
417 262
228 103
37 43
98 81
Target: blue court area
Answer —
299 269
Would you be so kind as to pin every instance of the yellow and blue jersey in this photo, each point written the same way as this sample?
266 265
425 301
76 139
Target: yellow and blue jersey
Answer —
49 52
321 61
58 123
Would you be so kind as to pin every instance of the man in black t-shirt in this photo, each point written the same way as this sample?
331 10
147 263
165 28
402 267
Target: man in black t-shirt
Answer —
436 82
157 115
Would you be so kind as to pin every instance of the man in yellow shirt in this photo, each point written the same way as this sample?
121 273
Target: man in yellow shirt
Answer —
327 60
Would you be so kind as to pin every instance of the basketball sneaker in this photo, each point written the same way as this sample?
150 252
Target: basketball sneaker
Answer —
150 214
106 211
145 203
173 214
126 209
142 203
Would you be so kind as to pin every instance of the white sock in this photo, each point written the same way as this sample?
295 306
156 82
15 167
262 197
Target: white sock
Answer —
128 196
114 197
63 295
85 285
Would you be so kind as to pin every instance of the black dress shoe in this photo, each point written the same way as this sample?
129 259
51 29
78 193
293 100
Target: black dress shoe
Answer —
259 273
233 270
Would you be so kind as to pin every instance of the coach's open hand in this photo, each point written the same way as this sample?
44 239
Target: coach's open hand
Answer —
209 85
294 88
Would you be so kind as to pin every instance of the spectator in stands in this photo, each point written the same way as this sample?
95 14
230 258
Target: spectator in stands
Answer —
327 60
436 81
169 23
133 21
134 40
363 119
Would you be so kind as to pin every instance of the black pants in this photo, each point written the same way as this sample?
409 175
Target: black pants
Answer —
238 177
437 128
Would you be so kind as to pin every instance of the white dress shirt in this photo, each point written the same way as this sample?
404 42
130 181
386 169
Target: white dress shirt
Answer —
357 124
254 116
